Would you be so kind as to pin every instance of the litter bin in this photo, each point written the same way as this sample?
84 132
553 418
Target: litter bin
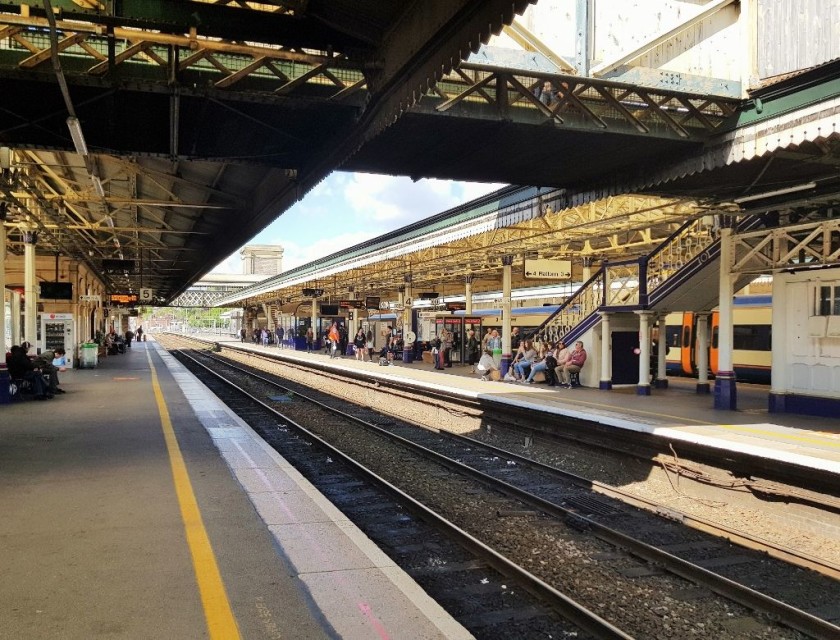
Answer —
89 355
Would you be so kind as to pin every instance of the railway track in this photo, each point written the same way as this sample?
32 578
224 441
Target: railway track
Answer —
635 547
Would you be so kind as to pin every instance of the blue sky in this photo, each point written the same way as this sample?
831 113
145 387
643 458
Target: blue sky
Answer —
349 208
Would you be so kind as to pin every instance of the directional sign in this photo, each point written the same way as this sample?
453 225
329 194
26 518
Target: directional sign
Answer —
90 298
147 295
548 269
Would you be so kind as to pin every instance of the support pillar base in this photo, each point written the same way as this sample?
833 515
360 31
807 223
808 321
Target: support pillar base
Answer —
660 384
703 387
726 397
643 390
408 356
605 385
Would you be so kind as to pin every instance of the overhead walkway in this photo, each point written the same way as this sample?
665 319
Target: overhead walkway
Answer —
138 506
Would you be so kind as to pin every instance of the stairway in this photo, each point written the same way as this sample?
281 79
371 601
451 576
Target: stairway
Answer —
681 274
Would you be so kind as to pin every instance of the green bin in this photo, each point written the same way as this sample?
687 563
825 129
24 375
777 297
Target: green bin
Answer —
88 355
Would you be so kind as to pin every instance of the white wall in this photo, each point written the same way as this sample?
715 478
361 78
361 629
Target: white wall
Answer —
806 360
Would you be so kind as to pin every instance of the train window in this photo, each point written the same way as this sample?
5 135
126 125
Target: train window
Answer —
715 335
686 342
829 301
751 337
672 336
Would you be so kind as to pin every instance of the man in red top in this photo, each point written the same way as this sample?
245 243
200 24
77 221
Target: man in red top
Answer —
574 363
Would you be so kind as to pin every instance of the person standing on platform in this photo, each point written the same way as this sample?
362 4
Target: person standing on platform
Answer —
310 339
473 349
359 345
334 338
242 334
495 345
140 333
446 348
278 334
369 344
129 336
515 339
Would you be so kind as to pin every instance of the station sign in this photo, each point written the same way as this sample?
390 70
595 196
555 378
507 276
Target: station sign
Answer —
548 269
351 304
372 302
147 295
123 299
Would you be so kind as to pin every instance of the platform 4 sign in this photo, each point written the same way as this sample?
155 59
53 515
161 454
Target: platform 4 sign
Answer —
548 269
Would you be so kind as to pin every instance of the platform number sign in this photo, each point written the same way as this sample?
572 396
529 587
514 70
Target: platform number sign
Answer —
146 295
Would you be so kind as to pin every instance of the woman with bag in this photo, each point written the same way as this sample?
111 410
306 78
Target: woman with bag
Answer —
473 346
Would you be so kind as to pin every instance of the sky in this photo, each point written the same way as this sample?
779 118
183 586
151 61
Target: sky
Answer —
348 208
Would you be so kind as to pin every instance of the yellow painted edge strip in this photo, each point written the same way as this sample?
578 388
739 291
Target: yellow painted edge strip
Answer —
732 427
783 436
220 621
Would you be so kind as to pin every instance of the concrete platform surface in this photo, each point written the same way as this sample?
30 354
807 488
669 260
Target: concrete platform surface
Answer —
93 535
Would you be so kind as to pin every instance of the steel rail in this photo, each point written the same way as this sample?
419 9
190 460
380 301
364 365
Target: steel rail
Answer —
784 613
563 604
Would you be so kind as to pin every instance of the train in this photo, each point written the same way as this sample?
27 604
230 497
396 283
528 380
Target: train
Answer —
751 345
752 333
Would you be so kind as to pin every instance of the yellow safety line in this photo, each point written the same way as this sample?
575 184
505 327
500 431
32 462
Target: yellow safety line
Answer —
684 419
220 621
784 436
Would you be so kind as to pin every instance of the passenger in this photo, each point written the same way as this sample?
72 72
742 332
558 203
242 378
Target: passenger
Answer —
574 363
486 365
60 359
546 365
485 339
437 358
369 344
562 354
140 333
342 339
22 368
545 93
495 345
446 348
279 332
44 363
515 339
524 359
334 339
310 339
242 335
473 350
264 337
129 336
360 344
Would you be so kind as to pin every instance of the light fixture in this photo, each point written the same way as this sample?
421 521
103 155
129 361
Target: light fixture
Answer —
778 192
76 133
97 186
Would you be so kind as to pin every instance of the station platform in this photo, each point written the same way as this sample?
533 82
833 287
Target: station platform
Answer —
677 413
137 506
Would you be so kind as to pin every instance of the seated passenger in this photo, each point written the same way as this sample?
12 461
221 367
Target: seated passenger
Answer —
22 368
60 359
574 363
486 365
546 366
44 364
522 361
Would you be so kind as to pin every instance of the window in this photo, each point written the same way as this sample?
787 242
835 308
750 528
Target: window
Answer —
752 337
828 300
686 337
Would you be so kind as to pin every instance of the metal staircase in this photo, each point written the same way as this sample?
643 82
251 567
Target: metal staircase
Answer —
645 283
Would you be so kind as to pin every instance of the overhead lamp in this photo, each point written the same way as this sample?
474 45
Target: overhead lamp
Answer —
76 133
778 192
97 186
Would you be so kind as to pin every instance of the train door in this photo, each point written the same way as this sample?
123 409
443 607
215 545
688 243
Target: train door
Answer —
714 350
687 344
